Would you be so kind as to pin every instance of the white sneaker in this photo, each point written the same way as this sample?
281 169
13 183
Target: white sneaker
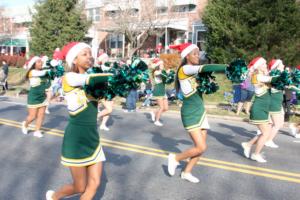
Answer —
152 116
271 144
258 158
158 123
247 149
297 136
49 195
258 132
24 128
189 177
38 134
172 164
293 130
47 111
103 127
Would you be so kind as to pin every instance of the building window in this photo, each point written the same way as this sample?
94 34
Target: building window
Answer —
115 41
93 14
184 8
162 10
200 39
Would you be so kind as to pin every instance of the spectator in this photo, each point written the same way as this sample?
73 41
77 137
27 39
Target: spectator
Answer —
4 73
148 91
131 100
247 92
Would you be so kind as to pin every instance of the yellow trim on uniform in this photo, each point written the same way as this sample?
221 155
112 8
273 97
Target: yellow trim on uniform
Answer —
96 157
198 125
260 121
96 75
45 103
181 74
66 87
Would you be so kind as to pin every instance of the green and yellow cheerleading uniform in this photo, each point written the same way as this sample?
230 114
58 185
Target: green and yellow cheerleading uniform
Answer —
159 90
276 102
81 143
38 82
260 110
193 114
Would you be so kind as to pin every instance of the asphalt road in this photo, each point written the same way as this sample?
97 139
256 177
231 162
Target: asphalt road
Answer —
136 152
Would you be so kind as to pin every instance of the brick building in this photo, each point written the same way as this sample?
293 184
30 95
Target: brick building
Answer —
177 21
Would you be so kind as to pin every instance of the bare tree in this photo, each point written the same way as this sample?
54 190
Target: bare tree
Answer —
138 20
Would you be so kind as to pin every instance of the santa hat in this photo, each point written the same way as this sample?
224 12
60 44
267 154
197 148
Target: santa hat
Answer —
274 63
156 62
71 50
102 58
57 55
184 49
31 61
256 62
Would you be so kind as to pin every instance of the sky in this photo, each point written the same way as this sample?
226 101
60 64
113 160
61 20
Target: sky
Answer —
16 3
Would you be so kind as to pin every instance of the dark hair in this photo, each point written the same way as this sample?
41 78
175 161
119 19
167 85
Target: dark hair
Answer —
177 85
27 73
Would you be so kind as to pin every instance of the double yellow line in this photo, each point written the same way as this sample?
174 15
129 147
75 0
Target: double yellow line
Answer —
230 166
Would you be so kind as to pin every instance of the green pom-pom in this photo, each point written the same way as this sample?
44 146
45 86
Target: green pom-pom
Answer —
207 84
283 81
237 71
295 77
168 78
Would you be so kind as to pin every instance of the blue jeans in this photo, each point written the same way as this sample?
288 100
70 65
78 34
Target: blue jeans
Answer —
131 100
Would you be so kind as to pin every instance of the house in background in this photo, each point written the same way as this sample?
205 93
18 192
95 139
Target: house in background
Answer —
14 30
178 21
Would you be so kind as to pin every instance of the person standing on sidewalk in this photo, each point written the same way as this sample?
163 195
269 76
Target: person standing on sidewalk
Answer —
193 113
159 92
247 92
36 100
81 148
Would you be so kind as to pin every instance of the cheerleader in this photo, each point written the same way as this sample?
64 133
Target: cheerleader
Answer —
193 114
260 110
276 109
159 92
108 104
81 148
36 99
48 87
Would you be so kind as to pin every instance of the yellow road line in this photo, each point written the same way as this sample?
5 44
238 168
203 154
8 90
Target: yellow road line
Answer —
283 178
161 153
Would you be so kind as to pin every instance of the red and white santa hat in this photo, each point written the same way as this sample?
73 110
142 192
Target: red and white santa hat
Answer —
57 55
256 63
156 62
298 67
71 50
30 62
184 49
102 58
274 63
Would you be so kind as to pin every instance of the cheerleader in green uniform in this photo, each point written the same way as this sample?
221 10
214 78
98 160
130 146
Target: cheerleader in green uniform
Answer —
159 92
81 148
108 104
276 109
260 110
193 114
36 100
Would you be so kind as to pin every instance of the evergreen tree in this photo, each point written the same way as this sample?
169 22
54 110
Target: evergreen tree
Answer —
55 23
248 28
